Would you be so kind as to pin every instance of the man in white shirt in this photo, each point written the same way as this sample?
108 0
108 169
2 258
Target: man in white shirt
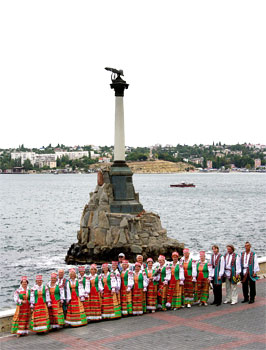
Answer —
249 269
232 274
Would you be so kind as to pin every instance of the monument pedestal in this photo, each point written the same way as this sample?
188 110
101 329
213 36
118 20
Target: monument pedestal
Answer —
125 198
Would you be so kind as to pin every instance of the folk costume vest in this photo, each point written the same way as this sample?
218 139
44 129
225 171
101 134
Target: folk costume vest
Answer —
153 273
140 281
250 268
43 295
216 266
56 292
233 267
205 270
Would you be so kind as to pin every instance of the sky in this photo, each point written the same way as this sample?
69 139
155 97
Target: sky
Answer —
196 71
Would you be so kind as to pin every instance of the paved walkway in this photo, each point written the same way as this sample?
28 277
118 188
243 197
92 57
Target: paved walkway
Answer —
241 326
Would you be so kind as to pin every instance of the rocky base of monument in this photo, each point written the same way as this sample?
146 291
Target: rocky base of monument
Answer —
103 234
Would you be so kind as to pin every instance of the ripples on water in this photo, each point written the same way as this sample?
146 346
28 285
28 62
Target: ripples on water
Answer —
40 216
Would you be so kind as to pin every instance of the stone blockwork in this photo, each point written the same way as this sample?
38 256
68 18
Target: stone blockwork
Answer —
103 235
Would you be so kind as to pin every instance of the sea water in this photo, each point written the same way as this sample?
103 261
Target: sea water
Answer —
40 216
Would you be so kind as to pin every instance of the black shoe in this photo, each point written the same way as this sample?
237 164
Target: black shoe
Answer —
251 302
245 301
213 303
218 304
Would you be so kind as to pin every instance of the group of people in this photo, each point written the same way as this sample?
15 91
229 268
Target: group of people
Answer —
122 289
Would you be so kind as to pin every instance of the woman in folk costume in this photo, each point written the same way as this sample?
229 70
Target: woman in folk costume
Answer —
152 289
139 259
57 296
165 275
138 292
110 306
204 276
86 285
76 315
127 283
116 272
176 284
189 268
20 323
96 287
39 300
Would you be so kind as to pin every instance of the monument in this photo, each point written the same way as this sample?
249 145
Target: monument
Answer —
114 220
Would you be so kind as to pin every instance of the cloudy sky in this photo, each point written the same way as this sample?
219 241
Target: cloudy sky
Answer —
196 71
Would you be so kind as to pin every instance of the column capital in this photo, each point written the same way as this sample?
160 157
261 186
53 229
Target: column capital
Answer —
119 85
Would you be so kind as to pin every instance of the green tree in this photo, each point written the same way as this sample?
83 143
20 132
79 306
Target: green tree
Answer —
27 165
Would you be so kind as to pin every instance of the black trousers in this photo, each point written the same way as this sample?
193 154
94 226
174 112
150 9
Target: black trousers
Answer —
217 292
249 295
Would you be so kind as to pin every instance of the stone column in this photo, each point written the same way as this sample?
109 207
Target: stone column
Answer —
119 151
119 85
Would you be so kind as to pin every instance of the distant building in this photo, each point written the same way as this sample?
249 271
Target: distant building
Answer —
197 160
24 155
72 155
18 170
257 163
220 155
239 153
94 155
209 164
104 160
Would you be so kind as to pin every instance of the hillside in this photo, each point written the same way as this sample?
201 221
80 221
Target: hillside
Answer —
152 167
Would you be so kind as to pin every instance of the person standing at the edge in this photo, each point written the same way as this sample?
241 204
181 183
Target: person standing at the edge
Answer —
232 274
121 257
217 261
249 269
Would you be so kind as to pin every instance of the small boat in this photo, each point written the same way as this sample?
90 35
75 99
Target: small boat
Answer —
183 184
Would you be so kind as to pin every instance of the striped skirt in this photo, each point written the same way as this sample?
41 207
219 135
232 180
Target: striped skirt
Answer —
202 290
75 316
40 321
126 301
152 296
94 306
56 313
188 290
110 306
138 301
86 306
162 295
20 323
174 294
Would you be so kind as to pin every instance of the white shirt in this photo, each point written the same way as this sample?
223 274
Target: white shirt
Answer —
228 260
246 261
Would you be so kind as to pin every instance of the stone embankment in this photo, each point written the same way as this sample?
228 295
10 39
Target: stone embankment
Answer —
152 167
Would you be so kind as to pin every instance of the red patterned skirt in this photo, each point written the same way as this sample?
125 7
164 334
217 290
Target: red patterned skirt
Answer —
188 290
40 321
152 296
174 294
56 313
75 316
20 323
94 305
138 301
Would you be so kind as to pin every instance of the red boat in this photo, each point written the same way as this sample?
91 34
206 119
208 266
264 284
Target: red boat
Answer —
183 184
